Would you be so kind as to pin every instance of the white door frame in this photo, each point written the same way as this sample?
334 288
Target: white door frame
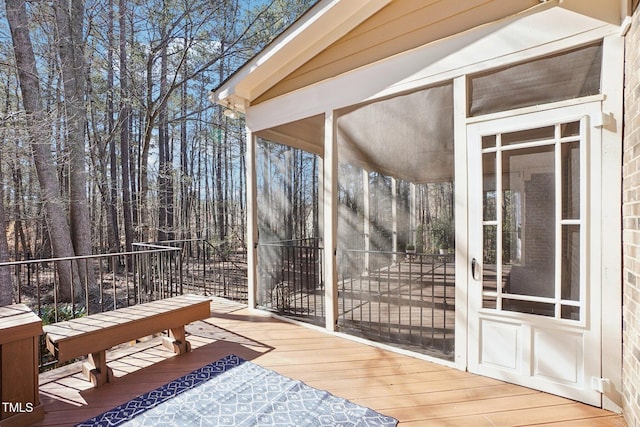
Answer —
570 364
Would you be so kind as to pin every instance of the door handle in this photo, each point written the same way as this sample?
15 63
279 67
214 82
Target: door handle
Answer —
475 269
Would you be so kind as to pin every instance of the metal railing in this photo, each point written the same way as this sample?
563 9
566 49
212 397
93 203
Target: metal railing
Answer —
94 283
60 289
397 298
210 269
290 279
407 300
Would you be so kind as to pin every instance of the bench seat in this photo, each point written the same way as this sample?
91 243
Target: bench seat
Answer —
94 334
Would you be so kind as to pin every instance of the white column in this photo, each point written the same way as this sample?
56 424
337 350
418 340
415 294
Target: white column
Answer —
252 221
394 218
412 213
462 233
330 202
367 219
612 69
321 199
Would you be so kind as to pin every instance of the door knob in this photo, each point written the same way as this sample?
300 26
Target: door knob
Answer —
475 269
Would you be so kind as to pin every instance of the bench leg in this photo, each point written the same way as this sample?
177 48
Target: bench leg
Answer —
176 341
96 369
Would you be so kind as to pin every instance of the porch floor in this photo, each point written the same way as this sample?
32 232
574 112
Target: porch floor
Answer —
414 391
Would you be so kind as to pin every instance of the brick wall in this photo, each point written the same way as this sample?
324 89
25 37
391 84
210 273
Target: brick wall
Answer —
631 224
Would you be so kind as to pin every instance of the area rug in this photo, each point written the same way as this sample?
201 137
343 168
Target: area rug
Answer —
234 392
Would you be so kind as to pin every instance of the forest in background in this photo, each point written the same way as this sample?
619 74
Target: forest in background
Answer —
108 136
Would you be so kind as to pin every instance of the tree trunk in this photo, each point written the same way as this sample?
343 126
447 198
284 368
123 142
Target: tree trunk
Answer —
42 156
69 19
124 129
163 149
6 288
185 181
113 158
19 208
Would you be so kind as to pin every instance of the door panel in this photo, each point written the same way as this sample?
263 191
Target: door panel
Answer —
529 223
501 344
557 356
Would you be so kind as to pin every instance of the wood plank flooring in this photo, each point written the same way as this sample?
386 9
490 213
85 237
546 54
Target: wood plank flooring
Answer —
414 391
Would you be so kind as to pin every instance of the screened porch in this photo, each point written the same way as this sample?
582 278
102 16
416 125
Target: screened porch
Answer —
395 247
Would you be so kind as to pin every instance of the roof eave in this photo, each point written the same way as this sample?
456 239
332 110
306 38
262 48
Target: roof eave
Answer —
325 23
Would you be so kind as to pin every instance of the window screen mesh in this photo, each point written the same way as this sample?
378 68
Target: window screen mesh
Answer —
409 136
567 75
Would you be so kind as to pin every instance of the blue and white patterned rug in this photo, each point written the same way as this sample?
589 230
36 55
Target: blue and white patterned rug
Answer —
234 392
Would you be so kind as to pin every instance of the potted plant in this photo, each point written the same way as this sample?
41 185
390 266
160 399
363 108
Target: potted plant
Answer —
410 249
442 234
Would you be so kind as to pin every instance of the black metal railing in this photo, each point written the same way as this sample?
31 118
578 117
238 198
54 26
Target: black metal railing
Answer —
211 269
398 298
94 283
290 279
60 289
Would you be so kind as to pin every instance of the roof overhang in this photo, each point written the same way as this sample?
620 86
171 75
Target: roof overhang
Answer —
328 21
316 30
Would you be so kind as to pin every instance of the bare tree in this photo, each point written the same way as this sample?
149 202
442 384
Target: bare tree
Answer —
41 149
5 272
124 128
113 157
165 193
100 121
69 20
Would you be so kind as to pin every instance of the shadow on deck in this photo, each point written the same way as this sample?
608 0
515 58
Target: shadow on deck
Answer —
412 390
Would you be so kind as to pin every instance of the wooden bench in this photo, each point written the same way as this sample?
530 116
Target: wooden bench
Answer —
94 334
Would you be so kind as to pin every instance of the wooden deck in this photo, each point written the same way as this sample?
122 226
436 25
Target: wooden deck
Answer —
412 390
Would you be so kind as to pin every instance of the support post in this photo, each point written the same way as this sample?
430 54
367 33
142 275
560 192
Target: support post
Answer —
394 219
462 233
612 67
412 213
177 341
252 221
367 219
330 201
95 369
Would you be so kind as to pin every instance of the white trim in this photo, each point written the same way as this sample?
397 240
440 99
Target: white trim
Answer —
394 220
445 60
536 108
557 161
462 256
324 24
529 37
625 26
590 363
252 220
330 201
366 208
612 87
